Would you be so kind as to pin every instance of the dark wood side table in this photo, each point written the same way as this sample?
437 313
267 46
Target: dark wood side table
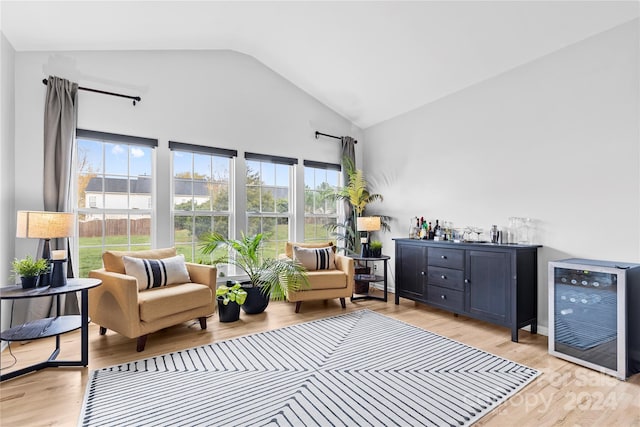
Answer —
51 326
372 278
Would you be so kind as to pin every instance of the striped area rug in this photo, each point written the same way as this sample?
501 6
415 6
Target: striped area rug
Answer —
357 369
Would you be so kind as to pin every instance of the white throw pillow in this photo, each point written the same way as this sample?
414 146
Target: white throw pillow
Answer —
315 258
153 273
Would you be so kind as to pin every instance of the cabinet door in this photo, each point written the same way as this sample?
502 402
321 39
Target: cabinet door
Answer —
488 287
411 271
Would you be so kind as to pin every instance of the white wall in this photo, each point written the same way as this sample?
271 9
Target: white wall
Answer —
555 140
7 207
217 98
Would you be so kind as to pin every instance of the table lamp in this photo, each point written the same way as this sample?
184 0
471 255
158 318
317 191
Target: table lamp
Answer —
367 224
47 226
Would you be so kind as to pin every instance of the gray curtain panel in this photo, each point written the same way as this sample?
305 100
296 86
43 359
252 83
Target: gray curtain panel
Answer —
348 156
60 119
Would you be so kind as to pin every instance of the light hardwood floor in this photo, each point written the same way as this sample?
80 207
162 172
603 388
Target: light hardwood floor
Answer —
564 395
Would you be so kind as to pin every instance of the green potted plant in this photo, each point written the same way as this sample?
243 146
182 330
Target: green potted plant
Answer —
29 270
375 249
269 278
356 194
230 298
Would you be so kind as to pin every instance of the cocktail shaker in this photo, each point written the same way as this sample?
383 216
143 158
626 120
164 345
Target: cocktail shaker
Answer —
495 234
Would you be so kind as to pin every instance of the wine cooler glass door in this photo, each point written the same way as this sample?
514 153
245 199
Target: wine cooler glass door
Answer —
586 316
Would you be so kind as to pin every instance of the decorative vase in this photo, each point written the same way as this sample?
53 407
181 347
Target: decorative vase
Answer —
29 282
375 253
256 301
361 287
229 312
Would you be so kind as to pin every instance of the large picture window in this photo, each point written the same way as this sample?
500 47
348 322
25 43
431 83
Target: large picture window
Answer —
114 183
320 207
202 194
269 200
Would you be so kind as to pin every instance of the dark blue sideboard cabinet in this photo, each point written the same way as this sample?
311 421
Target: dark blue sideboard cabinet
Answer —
491 282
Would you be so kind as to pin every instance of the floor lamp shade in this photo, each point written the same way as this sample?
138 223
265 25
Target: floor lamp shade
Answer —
366 224
45 225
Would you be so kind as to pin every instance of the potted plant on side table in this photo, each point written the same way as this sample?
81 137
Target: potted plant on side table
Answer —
375 249
268 277
229 301
29 270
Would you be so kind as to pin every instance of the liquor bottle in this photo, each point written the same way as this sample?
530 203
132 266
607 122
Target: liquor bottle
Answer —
412 228
430 232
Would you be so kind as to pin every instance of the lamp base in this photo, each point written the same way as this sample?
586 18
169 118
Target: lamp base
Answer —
59 274
364 250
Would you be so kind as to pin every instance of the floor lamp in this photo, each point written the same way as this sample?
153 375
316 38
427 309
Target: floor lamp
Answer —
46 226
366 224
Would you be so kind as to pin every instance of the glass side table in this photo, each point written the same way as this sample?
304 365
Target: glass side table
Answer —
372 278
51 326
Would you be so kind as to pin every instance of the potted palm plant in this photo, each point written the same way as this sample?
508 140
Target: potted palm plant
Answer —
229 301
29 270
356 194
269 278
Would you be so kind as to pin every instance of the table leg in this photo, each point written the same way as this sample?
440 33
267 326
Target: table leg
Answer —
84 329
385 279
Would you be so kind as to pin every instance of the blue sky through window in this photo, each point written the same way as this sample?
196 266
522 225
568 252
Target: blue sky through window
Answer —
119 159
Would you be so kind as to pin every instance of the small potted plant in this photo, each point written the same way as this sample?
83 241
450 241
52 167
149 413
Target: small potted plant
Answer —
230 298
30 270
375 249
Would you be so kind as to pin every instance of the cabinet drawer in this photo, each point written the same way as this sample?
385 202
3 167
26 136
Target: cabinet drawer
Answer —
445 297
446 277
449 258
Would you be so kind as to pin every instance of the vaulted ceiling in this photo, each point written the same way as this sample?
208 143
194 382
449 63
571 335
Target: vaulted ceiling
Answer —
369 61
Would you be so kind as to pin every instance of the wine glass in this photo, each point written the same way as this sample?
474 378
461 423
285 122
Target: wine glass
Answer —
478 232
467 230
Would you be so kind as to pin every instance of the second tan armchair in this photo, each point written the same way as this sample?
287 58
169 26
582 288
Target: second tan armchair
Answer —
324 284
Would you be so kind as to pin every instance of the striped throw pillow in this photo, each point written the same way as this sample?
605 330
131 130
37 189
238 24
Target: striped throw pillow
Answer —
315 258
153 273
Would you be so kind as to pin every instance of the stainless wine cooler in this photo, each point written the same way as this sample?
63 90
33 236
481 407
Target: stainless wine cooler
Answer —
594 314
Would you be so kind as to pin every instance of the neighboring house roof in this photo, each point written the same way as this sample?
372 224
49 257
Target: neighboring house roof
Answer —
142 185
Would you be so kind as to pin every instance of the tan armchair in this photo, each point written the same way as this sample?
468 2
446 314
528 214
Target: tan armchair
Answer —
324 284
119 305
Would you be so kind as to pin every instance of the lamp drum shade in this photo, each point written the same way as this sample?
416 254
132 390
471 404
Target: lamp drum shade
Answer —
368 223
45 225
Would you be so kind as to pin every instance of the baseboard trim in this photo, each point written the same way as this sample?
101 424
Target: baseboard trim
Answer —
542 330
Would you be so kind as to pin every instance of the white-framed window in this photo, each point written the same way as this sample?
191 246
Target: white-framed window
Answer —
114 195
270 200
202 196
321 180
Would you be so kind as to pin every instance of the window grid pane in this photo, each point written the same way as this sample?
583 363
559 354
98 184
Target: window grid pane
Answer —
268 204
114 184
320 208
201 185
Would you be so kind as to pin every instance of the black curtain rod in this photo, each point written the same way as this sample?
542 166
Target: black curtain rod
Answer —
135 98
331 136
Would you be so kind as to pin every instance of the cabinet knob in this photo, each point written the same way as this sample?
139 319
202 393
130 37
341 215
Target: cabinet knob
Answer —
443 256
443 276
422 273
466 280
443 296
